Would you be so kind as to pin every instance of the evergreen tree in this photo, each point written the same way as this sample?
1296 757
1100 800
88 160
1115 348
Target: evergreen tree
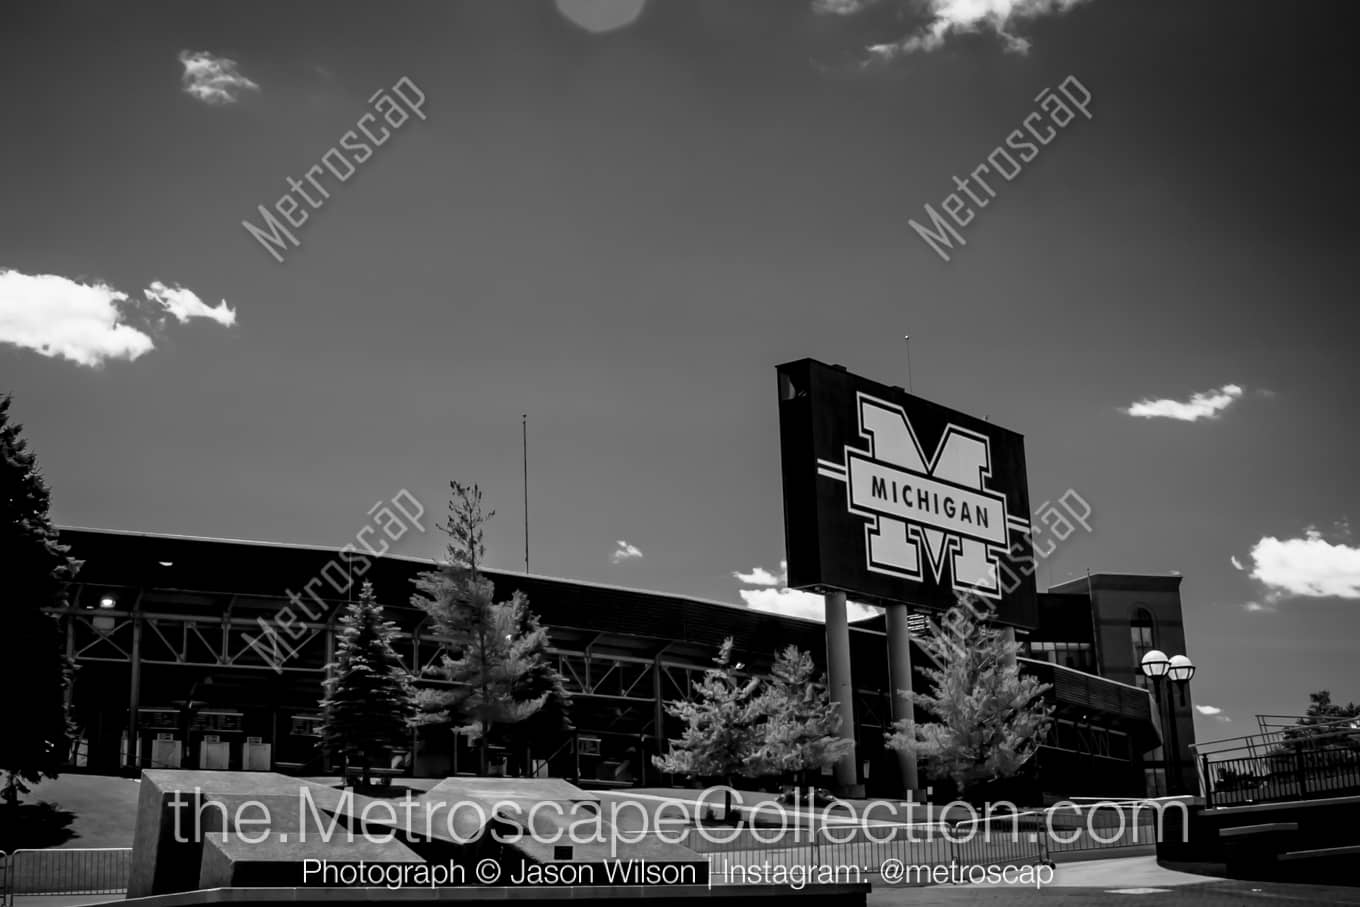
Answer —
493 649
798 732
369 704
989 717
34 670
1322 711
722 727
1326 726
551 724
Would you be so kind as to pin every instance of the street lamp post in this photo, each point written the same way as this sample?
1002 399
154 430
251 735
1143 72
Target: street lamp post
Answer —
1178 669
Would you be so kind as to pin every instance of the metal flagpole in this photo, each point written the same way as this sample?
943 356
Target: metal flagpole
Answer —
907 338
524 430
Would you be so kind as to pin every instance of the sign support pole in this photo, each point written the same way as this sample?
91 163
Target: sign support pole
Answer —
841 689
899 678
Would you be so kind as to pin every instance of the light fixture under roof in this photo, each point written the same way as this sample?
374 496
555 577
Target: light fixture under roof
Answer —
166 563
107 601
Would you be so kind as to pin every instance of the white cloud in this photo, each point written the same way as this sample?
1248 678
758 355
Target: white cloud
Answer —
87 323
796 603
1213 712
625 552
212 79
944 18
185 304
1258 607
1308 567
1237 565
775 597
757 577
57 317
1205 405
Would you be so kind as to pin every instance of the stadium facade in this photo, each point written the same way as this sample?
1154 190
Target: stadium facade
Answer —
178 665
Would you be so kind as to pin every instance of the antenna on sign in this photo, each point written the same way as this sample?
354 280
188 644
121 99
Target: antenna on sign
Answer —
524 433
907 338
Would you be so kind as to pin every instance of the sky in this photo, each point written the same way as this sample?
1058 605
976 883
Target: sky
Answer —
617 217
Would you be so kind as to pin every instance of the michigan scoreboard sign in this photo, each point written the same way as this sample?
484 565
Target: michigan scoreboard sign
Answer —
892 498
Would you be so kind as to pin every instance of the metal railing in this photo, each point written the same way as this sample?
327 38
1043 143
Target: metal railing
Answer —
1105 825
65 870
1275 735
1290 774
1025 838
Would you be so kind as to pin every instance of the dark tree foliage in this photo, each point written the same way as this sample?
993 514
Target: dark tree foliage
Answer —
369 705
1328 732
34 670
552 723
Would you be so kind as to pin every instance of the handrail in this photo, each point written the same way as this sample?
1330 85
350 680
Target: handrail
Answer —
1321 730
80 870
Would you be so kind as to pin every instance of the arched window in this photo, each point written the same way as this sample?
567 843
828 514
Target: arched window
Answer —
1144 636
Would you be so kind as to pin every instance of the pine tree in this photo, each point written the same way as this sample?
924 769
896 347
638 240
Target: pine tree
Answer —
798 731
552 723
492 649
369 704
722 727
1326 726
34 671
990 719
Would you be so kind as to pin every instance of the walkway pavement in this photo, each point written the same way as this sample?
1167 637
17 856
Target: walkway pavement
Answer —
1134 881
1218 893
1123 872
1129 880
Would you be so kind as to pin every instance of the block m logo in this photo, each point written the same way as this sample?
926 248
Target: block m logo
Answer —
921 512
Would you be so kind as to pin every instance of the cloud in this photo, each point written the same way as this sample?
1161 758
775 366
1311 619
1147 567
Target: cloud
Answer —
1258 607
185 304
1212 712
939 19
1237 565
775 597
757 577
625 552
213 80
1307 567
87 323
1205 405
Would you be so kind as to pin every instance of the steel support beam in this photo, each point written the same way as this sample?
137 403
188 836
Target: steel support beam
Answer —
899 678
842 690
134 691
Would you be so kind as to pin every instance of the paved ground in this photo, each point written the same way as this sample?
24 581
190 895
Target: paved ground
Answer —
1136 880
104 808
96 810
1209 894
1216 894
1131 880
